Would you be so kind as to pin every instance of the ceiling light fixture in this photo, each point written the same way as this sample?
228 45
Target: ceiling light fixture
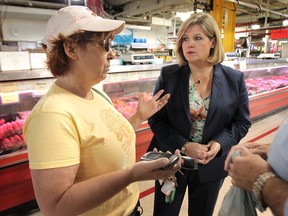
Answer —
256 26
139 27
183 15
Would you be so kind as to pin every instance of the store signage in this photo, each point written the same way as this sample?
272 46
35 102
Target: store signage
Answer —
10 97
8 87
279 34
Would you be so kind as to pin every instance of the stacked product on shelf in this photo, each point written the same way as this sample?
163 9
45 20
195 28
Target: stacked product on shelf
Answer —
11 136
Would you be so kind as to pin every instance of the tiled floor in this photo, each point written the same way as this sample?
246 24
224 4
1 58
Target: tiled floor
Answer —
257 129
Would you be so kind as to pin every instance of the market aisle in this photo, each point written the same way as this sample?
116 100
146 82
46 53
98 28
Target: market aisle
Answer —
257 131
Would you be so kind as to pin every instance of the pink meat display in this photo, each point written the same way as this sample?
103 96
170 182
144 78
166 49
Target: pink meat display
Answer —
128 105
264 84
11 136
2 121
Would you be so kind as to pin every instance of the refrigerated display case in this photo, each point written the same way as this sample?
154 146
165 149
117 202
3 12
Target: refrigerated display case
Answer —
268 90
20 91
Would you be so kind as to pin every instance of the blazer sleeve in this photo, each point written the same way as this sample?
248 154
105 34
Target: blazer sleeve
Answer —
166 137
240 122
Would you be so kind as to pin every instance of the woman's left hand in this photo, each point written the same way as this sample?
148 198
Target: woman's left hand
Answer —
212 152
147 108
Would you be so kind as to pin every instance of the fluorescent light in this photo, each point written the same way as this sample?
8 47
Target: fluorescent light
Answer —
161 21
285 22
183 16
256 26
147 28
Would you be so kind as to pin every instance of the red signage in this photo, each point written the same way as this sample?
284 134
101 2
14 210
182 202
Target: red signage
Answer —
279 34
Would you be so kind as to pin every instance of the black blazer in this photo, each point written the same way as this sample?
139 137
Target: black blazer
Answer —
228 118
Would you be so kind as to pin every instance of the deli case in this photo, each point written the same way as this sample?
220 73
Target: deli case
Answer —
266 80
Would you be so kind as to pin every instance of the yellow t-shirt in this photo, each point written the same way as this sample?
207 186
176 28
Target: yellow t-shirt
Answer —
64 129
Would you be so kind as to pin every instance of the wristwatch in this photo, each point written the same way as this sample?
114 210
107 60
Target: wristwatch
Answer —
258 185
183 148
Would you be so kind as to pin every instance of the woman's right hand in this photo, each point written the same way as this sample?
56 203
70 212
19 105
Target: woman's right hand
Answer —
151 170
197 151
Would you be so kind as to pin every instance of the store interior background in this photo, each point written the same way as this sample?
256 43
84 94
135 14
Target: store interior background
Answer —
151 28
249 27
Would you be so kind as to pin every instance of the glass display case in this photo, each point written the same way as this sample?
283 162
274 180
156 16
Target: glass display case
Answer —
263 80
20 91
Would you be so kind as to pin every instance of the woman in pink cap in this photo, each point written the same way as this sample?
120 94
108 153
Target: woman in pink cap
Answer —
81 150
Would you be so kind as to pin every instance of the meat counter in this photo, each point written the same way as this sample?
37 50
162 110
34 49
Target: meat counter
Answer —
20 91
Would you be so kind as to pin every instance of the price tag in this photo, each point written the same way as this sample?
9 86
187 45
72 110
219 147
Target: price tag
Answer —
242 65
40 89
115 77
37 93
10 97
133 76
40 86
8 87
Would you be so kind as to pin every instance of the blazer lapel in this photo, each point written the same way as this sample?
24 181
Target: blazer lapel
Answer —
215 93
183 83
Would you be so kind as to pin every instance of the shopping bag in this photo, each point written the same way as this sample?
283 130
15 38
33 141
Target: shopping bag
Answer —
238 202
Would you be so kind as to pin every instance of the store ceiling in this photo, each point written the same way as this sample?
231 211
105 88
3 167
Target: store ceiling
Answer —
140 12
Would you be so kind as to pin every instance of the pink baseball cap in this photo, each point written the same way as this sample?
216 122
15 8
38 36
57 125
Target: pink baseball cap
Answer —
71 19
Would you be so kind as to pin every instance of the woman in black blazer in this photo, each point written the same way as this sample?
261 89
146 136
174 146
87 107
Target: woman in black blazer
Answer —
207 114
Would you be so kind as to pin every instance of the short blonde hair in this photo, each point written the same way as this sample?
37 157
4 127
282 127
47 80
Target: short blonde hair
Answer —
210 28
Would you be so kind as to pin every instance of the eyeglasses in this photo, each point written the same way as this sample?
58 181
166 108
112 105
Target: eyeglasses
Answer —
106 44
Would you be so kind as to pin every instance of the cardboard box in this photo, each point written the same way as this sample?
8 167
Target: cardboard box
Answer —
37 60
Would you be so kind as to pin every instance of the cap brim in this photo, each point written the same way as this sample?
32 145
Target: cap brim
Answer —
106 25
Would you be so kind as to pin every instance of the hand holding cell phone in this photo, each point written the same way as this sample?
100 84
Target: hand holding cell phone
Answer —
149 156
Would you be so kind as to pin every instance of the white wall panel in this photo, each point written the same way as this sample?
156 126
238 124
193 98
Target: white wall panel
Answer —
15 29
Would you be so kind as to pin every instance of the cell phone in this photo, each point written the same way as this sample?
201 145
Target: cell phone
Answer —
149 156
187 163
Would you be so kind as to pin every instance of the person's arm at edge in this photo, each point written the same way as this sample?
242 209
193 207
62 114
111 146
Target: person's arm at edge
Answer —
274 191
58 194
275 195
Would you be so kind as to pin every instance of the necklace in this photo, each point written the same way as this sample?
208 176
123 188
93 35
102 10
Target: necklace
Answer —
198 81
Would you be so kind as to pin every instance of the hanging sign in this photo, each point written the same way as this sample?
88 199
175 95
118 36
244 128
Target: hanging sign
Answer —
279 34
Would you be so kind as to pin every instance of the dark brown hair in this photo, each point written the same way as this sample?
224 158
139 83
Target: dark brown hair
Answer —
57 61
